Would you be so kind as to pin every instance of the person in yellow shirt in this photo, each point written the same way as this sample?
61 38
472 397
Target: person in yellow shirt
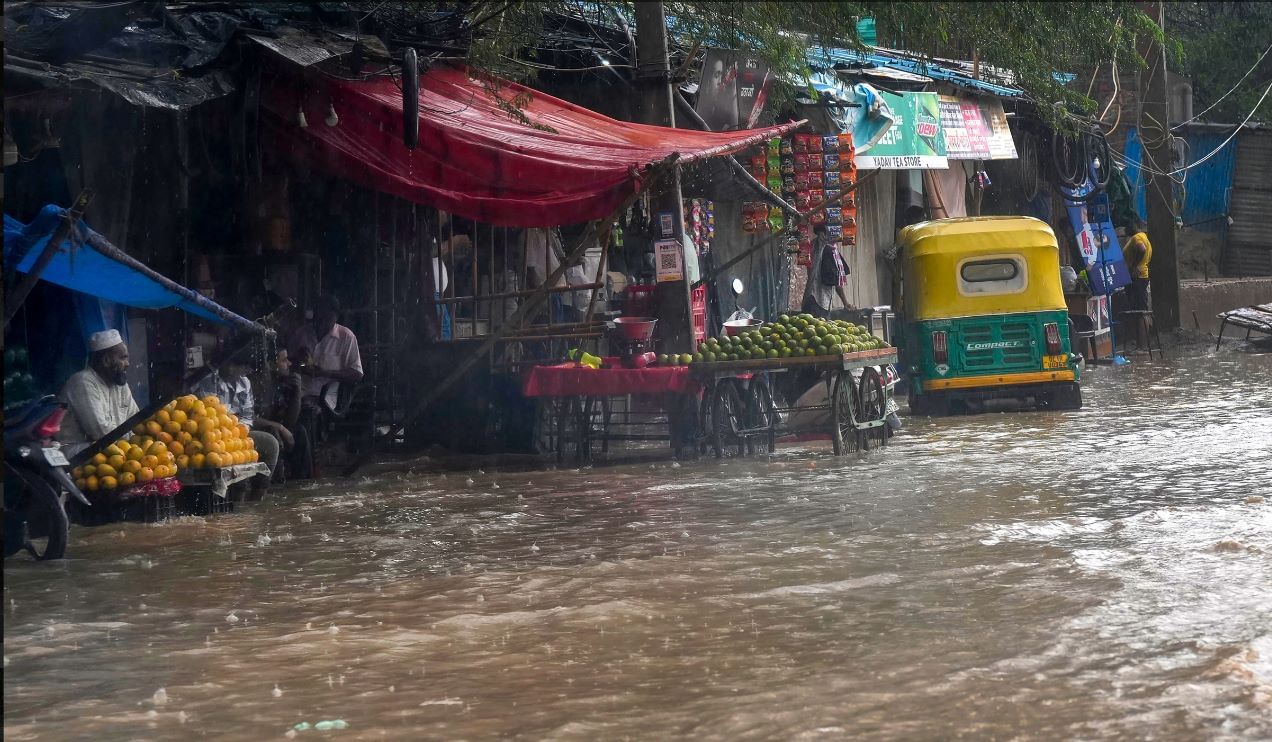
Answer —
1138 252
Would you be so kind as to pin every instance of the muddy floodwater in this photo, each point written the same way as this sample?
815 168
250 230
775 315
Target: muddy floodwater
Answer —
1098 574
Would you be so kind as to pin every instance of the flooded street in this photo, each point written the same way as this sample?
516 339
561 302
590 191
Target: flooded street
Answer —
1099 574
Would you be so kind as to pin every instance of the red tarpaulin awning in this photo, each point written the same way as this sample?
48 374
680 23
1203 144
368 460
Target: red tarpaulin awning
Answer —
474 158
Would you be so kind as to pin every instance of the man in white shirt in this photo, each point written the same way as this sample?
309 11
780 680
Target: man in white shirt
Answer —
330 351
98 398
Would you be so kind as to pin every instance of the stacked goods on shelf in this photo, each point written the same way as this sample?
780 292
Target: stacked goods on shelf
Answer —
767 168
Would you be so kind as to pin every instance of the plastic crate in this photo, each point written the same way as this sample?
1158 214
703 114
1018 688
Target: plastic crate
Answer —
698 305
202 501
109 508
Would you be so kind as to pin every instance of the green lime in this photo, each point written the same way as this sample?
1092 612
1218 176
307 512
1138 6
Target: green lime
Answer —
810 352
662 359
784 318
772 353
699 358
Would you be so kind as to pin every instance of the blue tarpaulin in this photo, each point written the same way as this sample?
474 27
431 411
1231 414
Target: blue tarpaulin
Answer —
87 263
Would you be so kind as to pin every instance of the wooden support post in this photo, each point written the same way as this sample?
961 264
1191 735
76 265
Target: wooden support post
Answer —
1155 135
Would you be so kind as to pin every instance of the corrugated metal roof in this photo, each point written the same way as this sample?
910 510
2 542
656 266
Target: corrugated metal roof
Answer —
829 56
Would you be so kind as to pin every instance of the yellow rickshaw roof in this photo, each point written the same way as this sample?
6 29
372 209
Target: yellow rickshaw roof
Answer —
973 234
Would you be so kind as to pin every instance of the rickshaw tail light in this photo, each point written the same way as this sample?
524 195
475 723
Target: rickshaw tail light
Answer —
51 425
1052 331
940 348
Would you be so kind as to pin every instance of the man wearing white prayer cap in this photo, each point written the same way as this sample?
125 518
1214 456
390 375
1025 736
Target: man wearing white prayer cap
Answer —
98 397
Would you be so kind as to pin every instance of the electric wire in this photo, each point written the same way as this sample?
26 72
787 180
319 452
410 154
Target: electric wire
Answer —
1225 95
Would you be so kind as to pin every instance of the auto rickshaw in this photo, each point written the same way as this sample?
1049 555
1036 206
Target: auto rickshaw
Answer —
984 315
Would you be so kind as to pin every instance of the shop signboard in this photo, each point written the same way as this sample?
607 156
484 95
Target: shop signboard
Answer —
732 90
915 141
975 129
1093 229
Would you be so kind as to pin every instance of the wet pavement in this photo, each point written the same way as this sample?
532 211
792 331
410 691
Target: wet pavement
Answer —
1097 574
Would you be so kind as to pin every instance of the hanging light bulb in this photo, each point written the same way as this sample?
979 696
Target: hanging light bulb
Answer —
332 119
300 118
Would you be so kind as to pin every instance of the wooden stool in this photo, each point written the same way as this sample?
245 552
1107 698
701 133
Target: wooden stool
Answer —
1142 320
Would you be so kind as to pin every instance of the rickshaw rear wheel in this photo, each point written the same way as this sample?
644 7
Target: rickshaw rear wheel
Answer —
873 405
727 418
762 413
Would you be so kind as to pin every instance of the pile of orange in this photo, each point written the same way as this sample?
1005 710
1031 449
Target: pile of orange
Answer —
188 433
124 464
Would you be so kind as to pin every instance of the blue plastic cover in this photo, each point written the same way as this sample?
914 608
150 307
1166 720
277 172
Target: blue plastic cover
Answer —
80 267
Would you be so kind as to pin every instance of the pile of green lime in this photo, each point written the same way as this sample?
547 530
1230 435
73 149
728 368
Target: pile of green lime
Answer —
683 359
796 336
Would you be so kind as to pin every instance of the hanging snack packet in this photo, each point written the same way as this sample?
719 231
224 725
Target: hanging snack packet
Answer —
832 179
845 144
834 215
776 218
830 143
832 160
787 148
775 147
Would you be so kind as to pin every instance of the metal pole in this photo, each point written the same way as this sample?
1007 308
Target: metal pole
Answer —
653 79
1155 135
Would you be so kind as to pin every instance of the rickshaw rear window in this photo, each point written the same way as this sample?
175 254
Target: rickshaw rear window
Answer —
989 270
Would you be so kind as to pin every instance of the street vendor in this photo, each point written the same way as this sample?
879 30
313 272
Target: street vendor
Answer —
827 276
229 383
98 398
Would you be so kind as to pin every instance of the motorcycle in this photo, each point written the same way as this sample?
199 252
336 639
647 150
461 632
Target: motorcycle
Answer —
36 480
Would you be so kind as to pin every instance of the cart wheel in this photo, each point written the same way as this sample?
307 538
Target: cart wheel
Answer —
706 432
727 418
843 408
762 413
873 405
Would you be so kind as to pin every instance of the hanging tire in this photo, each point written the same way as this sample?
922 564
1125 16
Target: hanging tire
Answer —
728 416
844 435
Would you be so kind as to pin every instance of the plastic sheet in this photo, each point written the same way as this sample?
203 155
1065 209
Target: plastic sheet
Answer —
509 156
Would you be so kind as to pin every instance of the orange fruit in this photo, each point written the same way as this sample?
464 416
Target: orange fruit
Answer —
92 483
251 444
178 416
139 429
99 458
206 425
135 453
243 430
90 470
153 428
190 427
116 461
194 447
184 437
105 470
172 427
150 461
108 483
127 479
132 467
184 404
157 448
183 462
112 450
253 456
146 474
162 417
211 400
81 484
214 460
196 461
176 448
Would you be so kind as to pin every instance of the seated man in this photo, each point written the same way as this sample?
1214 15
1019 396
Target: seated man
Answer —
98 398
229 383
284 407
328 351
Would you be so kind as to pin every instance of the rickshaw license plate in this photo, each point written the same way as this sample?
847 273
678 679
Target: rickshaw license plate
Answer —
1055 361
55 457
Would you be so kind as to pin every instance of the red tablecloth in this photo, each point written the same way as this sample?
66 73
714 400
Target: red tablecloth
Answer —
569 380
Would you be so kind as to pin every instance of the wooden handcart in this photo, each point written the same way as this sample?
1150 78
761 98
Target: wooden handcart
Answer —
738 411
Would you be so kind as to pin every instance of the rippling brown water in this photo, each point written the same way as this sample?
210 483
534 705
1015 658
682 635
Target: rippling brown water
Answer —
1099 574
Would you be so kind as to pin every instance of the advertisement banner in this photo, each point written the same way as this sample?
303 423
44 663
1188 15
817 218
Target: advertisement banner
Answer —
1093 228
732 90
975 129
915 141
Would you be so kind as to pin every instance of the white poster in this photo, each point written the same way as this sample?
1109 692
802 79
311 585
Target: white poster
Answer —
669 258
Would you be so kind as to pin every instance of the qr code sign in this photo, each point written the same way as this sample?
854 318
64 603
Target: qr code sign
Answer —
667 261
